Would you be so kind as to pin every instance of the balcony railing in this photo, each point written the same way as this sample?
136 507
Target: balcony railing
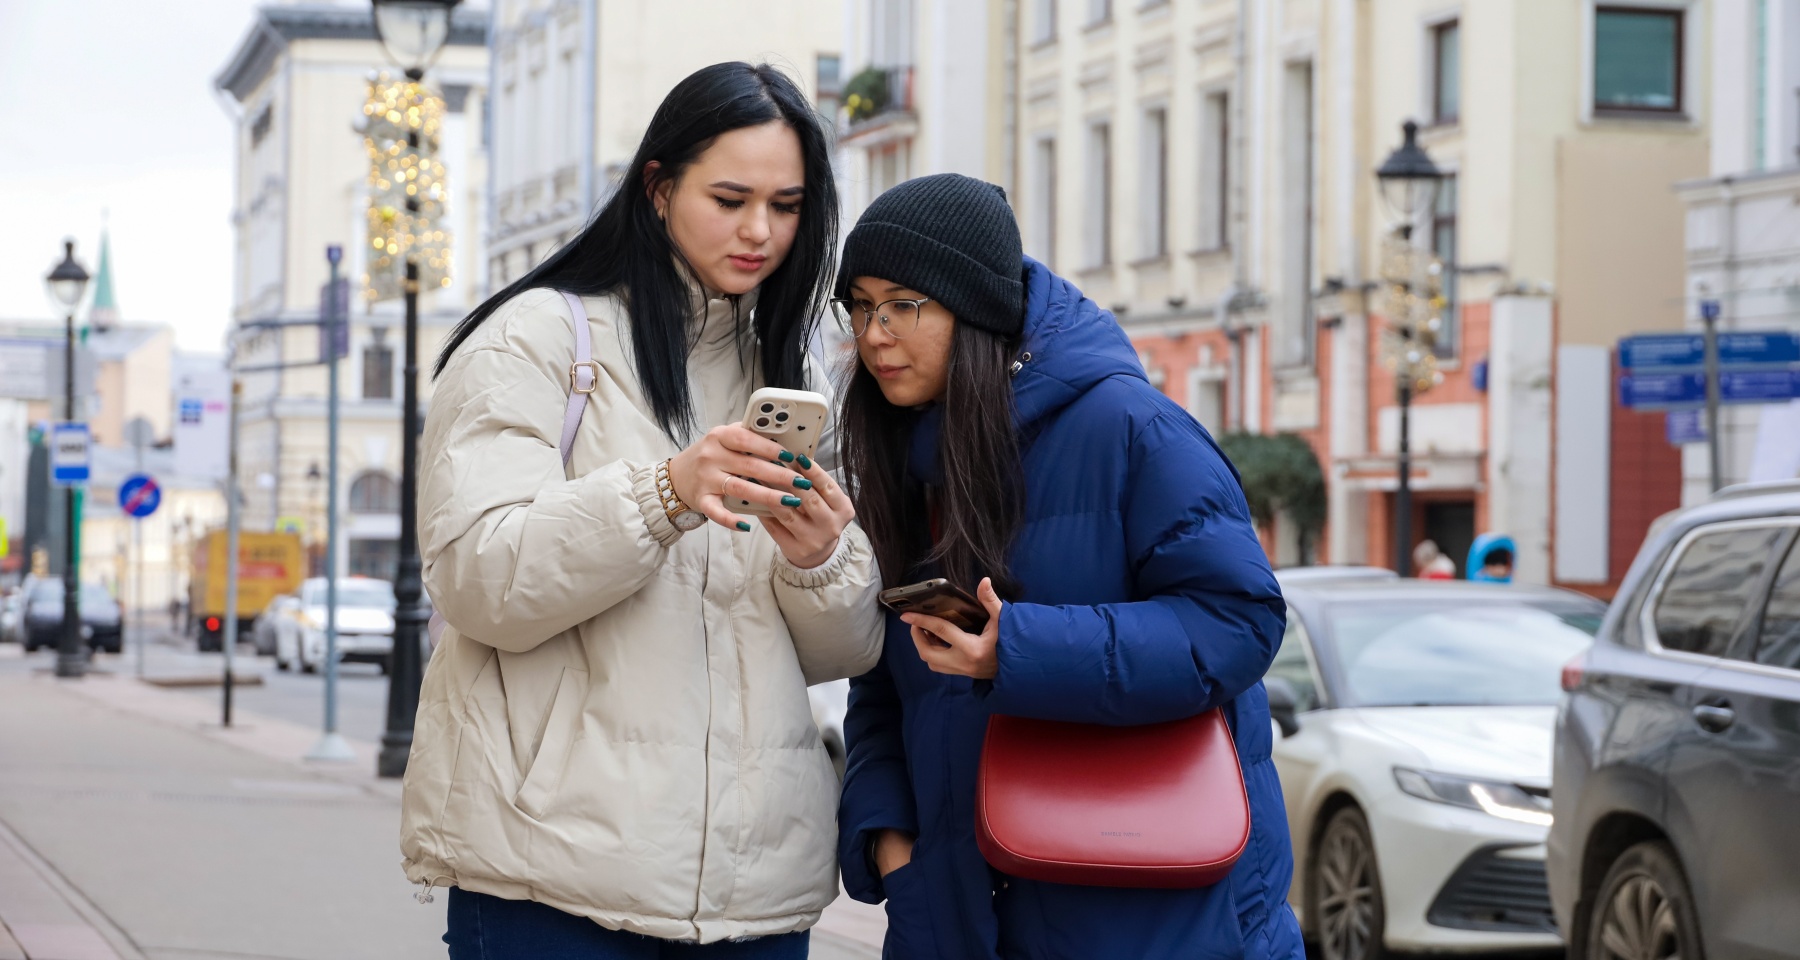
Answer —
875 93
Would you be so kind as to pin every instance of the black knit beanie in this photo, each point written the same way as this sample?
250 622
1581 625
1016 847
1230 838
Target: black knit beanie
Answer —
952 238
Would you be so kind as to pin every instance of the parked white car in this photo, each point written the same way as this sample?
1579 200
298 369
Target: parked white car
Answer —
365 624
1414 723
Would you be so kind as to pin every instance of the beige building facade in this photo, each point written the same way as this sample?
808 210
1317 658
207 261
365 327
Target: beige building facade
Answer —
1206 170
575 83
294 88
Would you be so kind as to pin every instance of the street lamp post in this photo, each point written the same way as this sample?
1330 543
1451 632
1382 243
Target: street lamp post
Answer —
412 31
1409 183
67 282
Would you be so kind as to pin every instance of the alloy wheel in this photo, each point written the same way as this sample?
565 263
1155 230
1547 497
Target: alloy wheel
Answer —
1348 893
1639 923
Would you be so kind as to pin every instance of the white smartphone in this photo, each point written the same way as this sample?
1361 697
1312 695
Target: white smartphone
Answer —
792 418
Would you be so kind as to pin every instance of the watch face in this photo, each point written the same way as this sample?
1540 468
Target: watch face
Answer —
691 520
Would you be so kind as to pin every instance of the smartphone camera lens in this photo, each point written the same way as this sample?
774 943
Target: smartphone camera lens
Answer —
762 422
768 408
781 418
903 603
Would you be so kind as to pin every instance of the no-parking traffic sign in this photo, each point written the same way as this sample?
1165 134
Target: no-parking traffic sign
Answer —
139 496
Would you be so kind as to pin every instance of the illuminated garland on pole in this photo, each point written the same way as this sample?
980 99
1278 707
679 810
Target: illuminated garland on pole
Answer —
402 126
1414 281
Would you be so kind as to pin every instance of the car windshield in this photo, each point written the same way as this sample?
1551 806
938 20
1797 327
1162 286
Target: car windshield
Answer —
354 593
1397 654
51 591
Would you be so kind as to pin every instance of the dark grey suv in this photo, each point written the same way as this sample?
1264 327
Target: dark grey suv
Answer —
1677 763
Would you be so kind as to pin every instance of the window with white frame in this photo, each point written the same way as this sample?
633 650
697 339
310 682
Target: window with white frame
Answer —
1153 184
1098 11
1446 72
889 166
1097 229
1043 21
1042 210
1215 173
891 33
1638 59
378 367
1206 397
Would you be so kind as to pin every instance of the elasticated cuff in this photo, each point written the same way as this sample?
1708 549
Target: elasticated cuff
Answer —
643 488
825 573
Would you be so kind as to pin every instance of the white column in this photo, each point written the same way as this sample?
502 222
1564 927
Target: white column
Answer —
1518 460
1583 463
1347 510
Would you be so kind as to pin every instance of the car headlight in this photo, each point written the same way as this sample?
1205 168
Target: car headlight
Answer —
1503 800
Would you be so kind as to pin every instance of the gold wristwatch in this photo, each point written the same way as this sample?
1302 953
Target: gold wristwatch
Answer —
684 517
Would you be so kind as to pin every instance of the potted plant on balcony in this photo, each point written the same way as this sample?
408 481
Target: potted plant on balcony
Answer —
866 94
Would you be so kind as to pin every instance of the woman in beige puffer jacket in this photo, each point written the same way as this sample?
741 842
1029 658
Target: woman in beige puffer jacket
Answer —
614 725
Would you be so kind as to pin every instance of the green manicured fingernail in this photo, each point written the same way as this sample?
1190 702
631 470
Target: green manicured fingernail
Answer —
805 464
790 501
744 525
803 483
787 456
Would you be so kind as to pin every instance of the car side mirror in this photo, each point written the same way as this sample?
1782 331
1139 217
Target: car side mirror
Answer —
1283 704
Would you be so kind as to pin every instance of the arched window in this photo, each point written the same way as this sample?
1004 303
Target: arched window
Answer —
374 492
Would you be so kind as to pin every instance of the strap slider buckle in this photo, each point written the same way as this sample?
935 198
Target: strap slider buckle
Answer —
593 376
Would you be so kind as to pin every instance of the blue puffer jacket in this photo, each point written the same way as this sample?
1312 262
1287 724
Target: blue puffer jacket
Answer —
1146 597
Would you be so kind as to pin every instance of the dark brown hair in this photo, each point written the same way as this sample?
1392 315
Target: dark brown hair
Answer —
982 501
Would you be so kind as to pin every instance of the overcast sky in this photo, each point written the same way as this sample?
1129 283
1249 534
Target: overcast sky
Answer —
107 105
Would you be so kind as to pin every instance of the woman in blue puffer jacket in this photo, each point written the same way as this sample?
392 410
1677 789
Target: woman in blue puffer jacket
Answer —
998 431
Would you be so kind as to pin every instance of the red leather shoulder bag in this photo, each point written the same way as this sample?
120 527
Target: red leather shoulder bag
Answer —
1161 805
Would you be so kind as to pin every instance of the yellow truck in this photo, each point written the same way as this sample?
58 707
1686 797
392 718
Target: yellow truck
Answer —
269 565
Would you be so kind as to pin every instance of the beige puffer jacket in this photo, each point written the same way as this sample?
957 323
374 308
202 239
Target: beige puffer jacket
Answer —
615 720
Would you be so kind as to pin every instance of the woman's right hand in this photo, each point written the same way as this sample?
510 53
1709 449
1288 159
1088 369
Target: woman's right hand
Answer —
715 467
893 850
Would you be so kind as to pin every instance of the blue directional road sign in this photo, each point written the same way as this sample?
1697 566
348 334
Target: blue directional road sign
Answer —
69 444
1684 426
139 496
1683 350
1677 391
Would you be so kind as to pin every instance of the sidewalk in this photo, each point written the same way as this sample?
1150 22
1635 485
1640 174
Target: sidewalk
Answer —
133 827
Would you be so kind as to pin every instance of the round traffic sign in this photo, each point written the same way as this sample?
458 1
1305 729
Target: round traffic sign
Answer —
139 496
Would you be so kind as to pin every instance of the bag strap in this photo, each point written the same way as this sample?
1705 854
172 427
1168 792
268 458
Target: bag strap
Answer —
584 373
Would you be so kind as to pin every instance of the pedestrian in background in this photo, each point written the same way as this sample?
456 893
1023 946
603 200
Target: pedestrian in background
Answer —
998 431
615 756
1491 558
1431 563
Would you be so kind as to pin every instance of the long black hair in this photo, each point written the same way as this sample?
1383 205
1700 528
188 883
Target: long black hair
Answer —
981 504
627 248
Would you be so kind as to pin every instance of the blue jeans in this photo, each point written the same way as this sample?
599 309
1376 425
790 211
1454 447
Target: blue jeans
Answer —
483 927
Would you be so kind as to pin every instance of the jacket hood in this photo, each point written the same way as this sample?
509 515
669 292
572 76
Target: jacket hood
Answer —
1070 345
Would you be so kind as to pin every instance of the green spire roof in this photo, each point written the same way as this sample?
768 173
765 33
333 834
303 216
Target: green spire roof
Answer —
105 307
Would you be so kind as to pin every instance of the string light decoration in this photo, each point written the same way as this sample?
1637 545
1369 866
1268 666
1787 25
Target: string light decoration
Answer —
408 194
1413 279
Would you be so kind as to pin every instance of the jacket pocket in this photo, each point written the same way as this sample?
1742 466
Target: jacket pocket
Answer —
910 933
561 729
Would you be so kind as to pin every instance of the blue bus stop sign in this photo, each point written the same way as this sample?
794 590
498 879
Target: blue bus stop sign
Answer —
139 496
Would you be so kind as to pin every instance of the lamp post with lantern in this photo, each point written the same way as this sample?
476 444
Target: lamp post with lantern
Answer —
1414 284
412 32
67 282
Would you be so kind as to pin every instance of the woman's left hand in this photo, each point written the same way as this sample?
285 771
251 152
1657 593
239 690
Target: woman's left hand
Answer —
808 533
946 648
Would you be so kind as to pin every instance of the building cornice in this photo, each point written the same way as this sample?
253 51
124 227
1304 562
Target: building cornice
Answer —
276 27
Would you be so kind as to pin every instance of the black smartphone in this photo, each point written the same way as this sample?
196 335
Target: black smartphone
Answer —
938 598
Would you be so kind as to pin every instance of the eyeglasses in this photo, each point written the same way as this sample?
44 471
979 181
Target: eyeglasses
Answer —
898 317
